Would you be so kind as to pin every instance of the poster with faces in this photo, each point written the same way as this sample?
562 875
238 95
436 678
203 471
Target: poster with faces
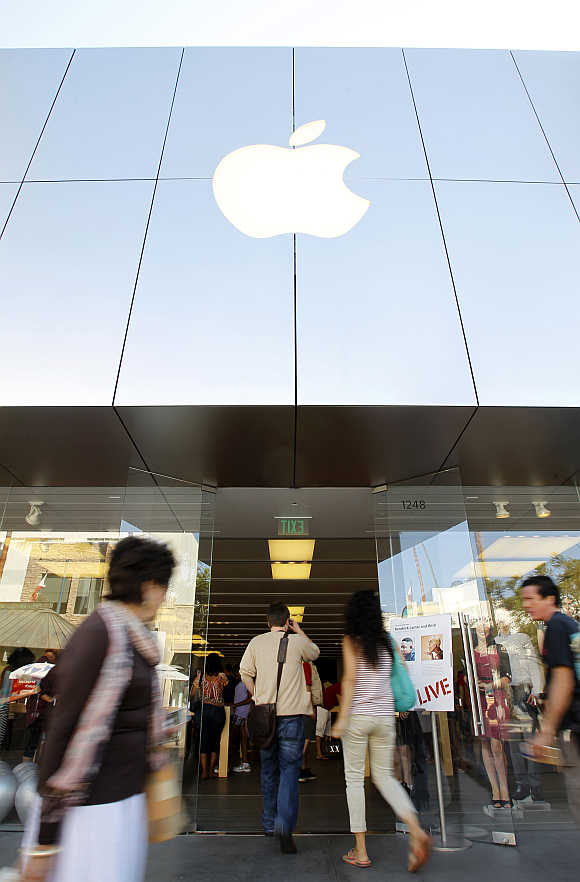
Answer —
425 644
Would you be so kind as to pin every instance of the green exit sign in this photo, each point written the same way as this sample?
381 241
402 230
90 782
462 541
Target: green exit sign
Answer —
292 526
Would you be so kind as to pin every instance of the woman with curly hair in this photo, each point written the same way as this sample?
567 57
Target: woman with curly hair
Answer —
367 720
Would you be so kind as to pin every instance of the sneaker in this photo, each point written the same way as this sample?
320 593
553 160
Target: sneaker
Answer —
305 776
243 768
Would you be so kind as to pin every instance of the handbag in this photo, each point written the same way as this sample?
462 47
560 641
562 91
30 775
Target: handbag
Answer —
401 683
262 717
164 804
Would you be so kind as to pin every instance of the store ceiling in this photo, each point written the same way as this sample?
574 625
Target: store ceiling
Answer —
280 446
242 589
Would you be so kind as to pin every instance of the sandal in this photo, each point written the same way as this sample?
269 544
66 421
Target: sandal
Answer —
351 858
419 853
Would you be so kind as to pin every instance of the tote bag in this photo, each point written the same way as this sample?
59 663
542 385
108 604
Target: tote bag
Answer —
401 684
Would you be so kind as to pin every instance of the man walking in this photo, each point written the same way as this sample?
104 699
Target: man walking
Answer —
541 599
281 762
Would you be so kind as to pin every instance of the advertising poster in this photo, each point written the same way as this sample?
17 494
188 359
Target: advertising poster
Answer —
425 644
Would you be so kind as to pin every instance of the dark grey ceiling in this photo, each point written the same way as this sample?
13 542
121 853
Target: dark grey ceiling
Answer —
242 588
268 447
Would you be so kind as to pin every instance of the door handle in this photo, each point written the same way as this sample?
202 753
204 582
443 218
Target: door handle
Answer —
471 675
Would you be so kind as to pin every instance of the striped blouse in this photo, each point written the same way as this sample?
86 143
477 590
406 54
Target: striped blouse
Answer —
373 695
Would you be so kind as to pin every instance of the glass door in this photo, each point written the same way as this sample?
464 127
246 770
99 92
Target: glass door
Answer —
180 514
518 532
452 747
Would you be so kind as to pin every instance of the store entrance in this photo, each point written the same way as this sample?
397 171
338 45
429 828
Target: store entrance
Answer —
310 549
447 563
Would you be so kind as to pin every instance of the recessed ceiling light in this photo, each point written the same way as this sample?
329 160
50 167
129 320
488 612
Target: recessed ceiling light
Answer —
291 549
542 510
501 510
291 570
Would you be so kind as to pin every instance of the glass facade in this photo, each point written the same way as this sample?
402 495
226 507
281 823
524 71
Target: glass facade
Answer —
53 574
437 549
463 156
143 331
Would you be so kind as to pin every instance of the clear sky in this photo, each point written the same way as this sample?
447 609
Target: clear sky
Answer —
516 24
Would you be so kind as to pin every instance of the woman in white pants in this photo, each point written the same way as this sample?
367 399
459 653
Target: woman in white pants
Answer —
367 720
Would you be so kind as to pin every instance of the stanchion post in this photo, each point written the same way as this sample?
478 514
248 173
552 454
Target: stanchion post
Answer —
438 778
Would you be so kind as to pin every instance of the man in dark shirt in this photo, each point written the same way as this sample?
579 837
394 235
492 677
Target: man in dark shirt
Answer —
541 599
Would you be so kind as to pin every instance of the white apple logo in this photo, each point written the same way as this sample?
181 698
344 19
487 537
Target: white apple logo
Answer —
265 190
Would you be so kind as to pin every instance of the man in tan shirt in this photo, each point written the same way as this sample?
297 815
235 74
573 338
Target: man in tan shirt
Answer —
281 762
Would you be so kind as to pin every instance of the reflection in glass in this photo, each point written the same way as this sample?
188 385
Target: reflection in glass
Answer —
476 118
7 194
69 258
514 254
373 307
223 330
553 81
227 98
110 117
365 98
31 78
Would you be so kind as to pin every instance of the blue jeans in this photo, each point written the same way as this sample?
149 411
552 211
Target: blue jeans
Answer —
280 771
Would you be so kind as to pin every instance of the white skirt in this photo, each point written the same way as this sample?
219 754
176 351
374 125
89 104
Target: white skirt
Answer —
99 843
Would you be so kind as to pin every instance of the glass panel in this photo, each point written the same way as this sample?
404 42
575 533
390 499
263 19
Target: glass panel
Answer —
55 592
444 626
70 250
54 542
31 78
7 194
575 193
227 98
553 81
223 330
181 515
89 593
393 264
364 96
476 118
518 532
510 245
110 117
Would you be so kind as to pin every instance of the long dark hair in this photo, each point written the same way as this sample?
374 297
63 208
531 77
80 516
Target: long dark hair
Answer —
364 624
213 665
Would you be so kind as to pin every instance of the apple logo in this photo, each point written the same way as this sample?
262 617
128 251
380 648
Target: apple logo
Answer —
265 190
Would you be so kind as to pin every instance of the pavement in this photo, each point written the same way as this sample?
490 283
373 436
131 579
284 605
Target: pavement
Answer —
240 858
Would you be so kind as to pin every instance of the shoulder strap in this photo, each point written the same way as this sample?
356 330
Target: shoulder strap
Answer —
282 651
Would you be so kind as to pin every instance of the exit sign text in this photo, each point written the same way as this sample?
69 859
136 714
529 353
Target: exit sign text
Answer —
292 527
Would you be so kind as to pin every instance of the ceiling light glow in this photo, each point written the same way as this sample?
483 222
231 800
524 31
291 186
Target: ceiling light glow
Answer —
288 570
542 510
291 549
